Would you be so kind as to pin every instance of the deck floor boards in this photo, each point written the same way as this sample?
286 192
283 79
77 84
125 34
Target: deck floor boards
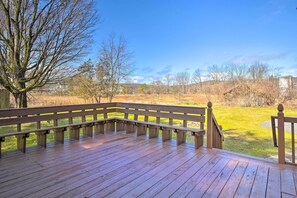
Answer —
109 165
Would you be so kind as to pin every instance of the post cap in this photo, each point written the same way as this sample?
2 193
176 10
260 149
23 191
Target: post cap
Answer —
209 104
280 107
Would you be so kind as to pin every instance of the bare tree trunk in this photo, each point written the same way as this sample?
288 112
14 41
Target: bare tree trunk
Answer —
21 100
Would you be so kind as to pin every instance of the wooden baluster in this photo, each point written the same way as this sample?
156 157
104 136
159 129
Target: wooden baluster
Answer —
73 132
95 117
110 125
55 120
120 126
70 119
129 125
293 143
87 128
273 131
281 135
209 126
41 136
146 117
185 124
2 139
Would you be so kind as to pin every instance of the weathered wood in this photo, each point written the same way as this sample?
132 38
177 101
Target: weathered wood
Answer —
158 114
198 140
183 109
141 129
44 110
293 142
110 126
59 135
1 140
21 142
138 167
281 134
88 130
11 121
74 132
273 127
130 127
180 137
209 125
120 126
153 131
99 127
41 138
166 134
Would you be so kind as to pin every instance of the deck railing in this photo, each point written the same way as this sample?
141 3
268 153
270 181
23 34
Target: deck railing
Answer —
215 135
53 117
279 140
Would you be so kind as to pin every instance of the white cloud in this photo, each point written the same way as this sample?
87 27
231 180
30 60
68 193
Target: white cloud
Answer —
136 79
256 58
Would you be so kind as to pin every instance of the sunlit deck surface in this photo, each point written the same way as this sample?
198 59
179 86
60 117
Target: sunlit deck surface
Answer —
123 165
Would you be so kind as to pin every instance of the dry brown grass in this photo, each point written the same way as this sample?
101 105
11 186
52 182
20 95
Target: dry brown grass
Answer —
37 100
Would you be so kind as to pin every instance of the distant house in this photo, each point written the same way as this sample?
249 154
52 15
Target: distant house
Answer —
286 84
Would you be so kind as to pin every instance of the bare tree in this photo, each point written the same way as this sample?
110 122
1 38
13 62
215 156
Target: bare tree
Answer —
217 73
158 87
197 80
114 60
168 79
258 70
182 79
237 72
37 38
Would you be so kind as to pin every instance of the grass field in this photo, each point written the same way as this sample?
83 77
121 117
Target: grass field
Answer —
241 125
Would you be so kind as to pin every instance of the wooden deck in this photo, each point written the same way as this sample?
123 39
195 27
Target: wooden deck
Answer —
125 166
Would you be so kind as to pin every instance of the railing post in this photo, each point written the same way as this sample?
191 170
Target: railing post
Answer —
281 134
209 125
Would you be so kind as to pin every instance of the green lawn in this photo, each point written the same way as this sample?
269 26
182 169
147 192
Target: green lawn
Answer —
243 131
241 125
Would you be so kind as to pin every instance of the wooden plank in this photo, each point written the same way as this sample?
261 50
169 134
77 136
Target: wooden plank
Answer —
232 184
148 161
182 109
274 183
183 188
59 188
260 183
195 118
218 184
144 184
43 110
11 121
119 188
285 195
138 186
30 175
206 182
288 182
247 181
290 119
160 185
40 187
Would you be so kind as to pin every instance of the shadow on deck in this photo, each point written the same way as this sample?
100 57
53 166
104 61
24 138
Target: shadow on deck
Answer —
122 165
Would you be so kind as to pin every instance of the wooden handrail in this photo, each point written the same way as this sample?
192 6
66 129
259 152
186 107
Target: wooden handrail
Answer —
281 120
215 135
37 115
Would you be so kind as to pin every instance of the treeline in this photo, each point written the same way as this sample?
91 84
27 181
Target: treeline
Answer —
185 82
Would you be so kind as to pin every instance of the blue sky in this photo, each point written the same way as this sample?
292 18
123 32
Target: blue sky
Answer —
170 36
